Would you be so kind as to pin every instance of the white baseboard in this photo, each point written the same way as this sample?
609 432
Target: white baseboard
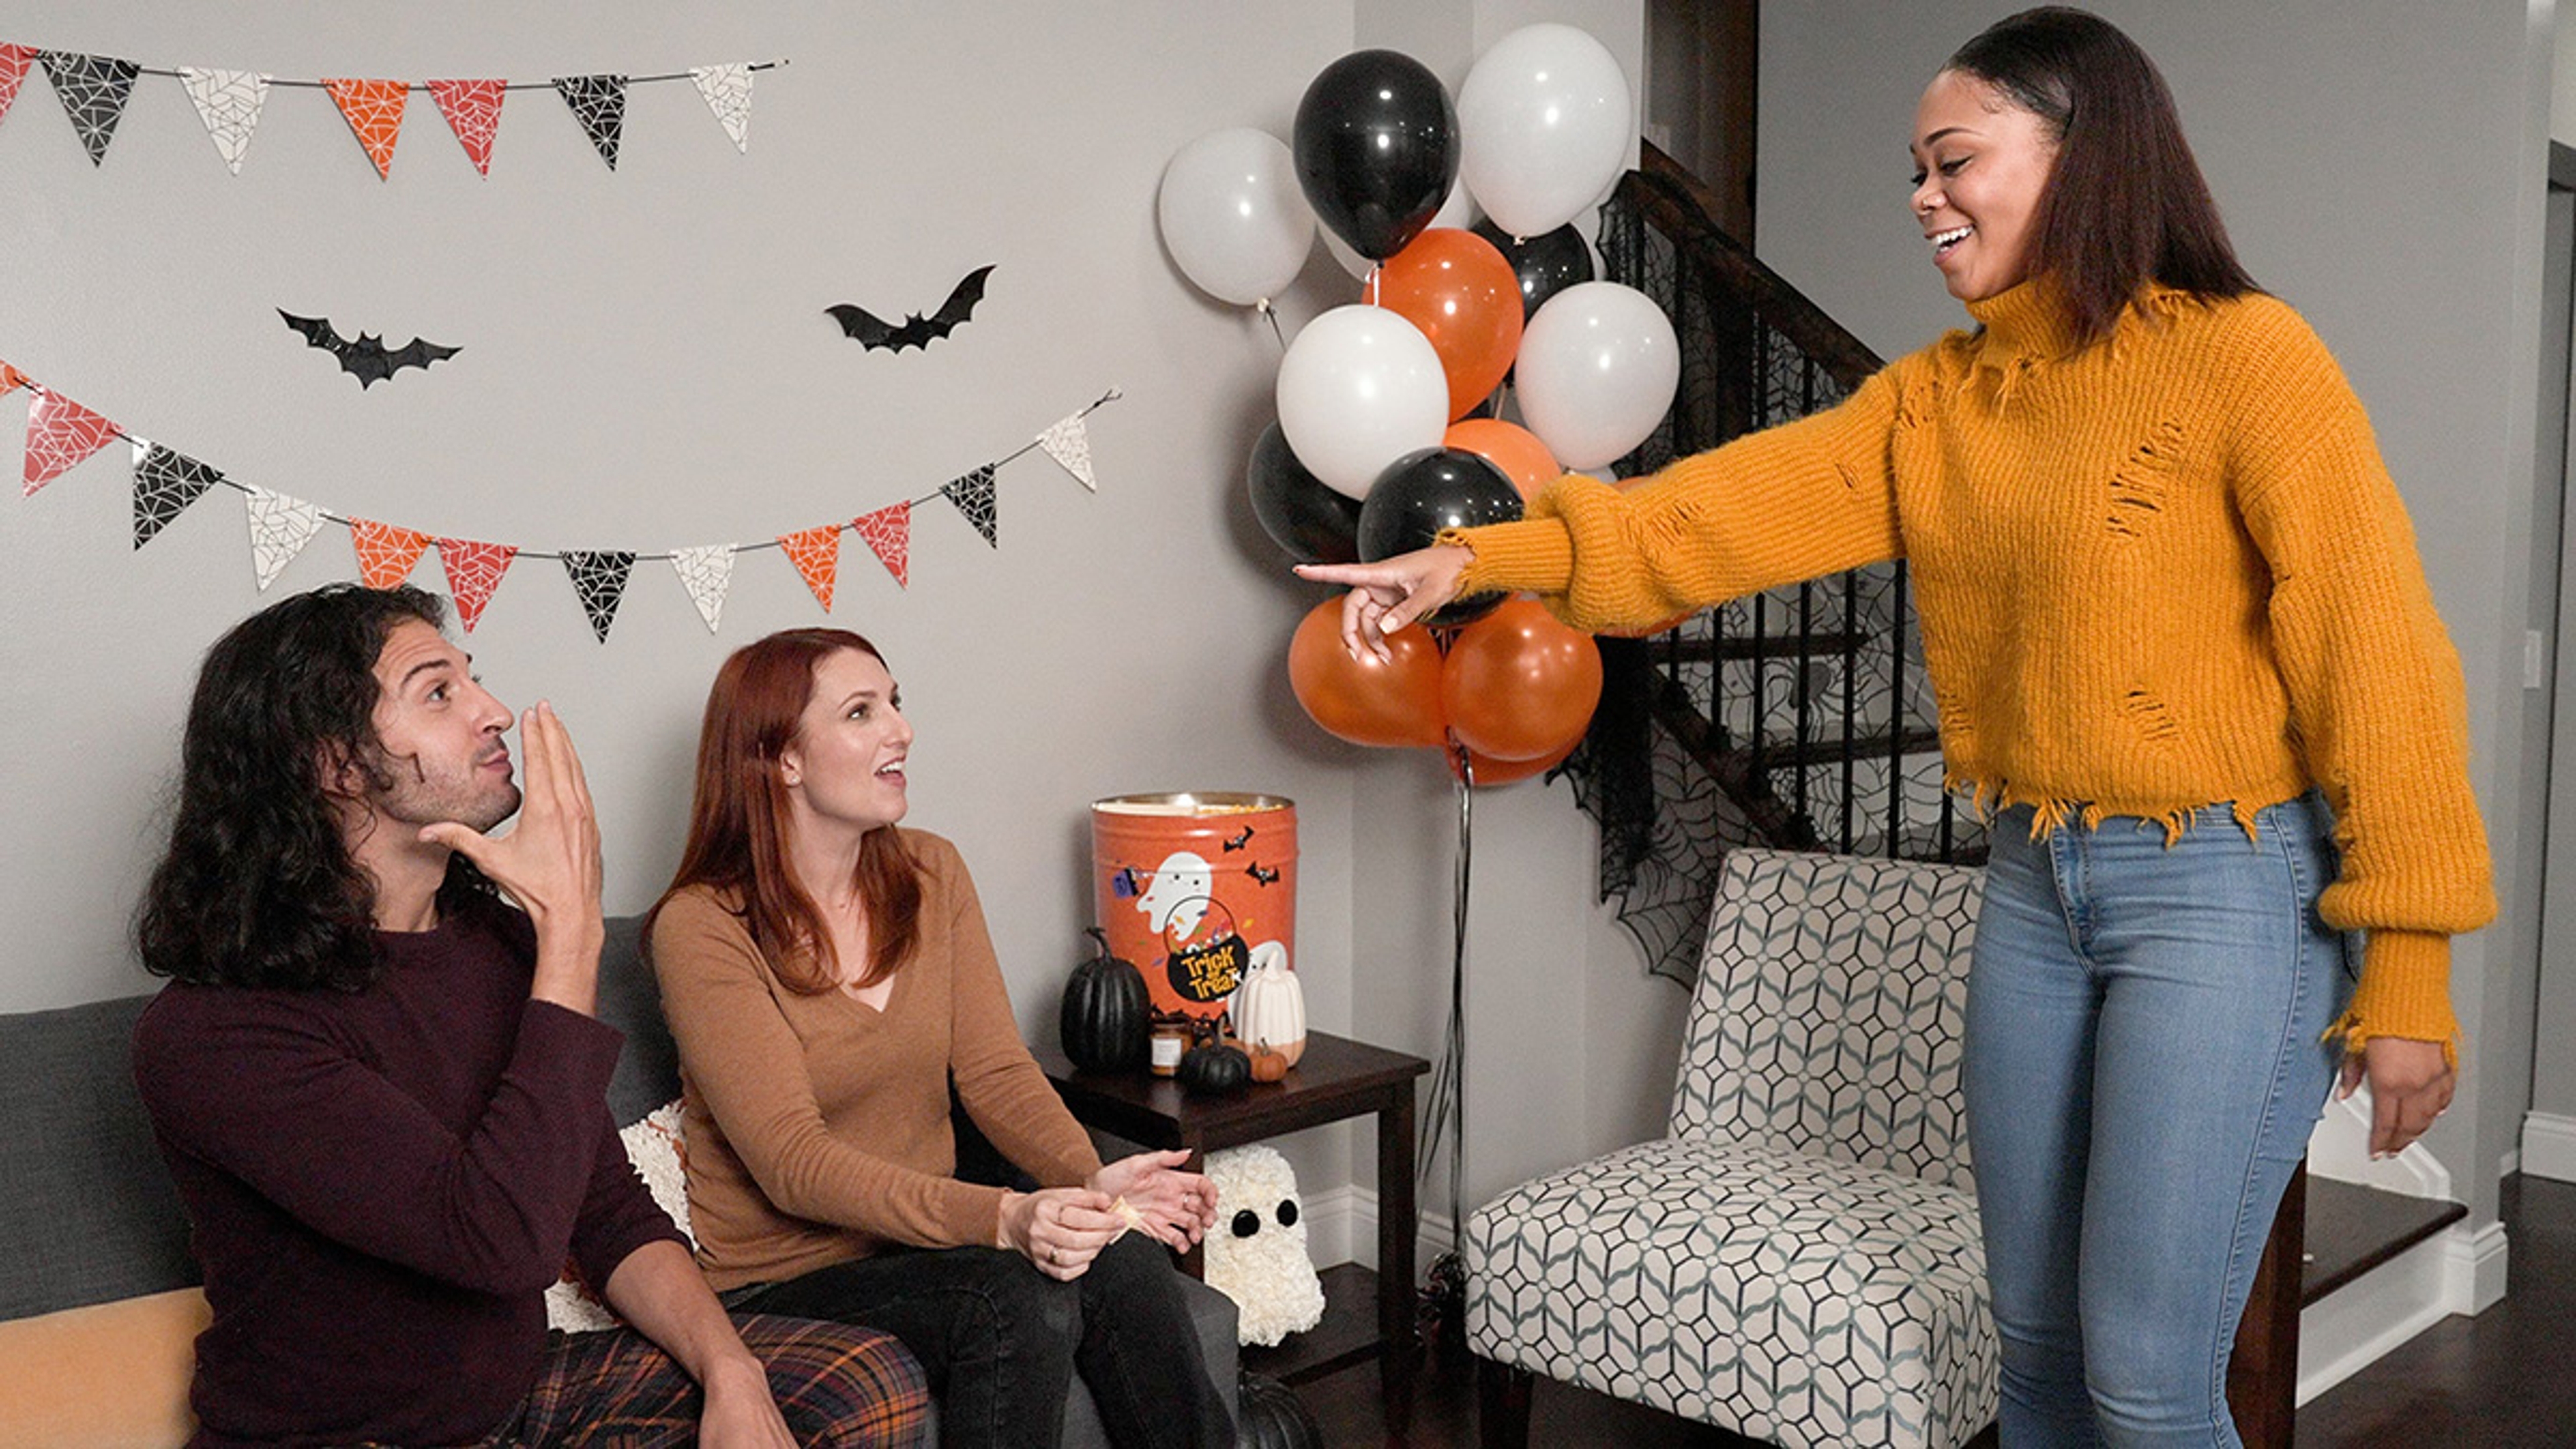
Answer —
2351 1328
1341 1227
2460 1271
2549 1146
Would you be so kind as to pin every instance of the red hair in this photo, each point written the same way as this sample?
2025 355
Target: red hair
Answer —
738 819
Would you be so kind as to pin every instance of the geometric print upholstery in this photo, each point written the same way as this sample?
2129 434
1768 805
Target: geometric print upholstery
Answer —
1799 1260
1829 1010
1788 1297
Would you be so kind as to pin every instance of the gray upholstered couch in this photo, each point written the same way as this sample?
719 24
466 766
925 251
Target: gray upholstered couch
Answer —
98 1303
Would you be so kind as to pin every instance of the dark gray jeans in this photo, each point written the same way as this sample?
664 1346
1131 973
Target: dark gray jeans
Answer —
1001 1341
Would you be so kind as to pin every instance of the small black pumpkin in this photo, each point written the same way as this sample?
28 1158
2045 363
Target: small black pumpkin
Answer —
1106 1021
1268 1416
1214 1069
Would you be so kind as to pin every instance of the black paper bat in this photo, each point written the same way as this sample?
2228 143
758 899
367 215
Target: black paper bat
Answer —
916 330
367 359
1259 875
1240 841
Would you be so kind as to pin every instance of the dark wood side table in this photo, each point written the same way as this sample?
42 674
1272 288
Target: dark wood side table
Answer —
1335 1079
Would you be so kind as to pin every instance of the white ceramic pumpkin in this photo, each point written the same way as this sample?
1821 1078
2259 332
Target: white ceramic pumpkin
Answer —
1270 1007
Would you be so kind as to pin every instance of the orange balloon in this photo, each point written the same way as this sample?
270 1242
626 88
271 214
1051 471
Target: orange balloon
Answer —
1490 771
1367 701
1459 291
1508 446
1518 685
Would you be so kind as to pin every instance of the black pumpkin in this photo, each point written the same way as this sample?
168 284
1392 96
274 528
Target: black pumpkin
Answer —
1214 1069
1268 1416
1106 1022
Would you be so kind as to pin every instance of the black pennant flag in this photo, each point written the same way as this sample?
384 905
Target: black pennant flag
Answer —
599 103
973 495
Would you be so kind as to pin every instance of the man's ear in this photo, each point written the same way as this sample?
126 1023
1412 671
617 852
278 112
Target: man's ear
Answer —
337 771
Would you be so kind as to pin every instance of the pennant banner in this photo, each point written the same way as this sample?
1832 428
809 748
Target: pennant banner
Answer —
165 483
14 60
1069 443
707 573
473 112
375 111
974 497
228 101
728 92
888 534
385 553
279 528
94 90
60 433
473 572
599 580
816 552
599 103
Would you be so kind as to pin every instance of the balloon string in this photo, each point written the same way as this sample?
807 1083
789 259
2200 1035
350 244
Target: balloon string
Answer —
1272 315
1447 1111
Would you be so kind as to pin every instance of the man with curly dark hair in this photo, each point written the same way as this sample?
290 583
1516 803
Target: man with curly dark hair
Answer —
382 1091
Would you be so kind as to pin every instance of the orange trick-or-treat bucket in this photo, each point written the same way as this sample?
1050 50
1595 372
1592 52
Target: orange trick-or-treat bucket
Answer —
1196 888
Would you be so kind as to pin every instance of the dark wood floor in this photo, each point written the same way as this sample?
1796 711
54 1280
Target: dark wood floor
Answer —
2505 1379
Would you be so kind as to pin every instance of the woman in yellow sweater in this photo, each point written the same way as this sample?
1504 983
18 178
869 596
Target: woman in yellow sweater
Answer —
2182 645
827 975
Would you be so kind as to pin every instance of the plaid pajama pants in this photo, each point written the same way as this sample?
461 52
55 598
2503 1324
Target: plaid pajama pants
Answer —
836 1386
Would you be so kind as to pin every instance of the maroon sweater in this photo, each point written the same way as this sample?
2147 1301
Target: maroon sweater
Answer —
382 1185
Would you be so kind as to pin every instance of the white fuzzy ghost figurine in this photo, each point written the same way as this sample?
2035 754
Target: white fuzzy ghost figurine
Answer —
1256 1253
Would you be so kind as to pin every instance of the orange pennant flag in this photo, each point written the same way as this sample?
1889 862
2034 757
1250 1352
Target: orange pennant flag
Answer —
473 112
375 111
385 552
473 571
60 433
816 552
888 532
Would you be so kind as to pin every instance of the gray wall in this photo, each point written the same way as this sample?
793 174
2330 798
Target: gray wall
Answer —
2381 166
646 363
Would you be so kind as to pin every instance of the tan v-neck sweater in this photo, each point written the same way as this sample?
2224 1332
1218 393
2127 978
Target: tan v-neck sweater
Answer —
817 1127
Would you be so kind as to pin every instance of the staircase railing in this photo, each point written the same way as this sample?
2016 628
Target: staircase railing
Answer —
1801 717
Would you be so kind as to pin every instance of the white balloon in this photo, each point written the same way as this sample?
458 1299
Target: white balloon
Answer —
1360 388
1234 217
1543 127
1596 372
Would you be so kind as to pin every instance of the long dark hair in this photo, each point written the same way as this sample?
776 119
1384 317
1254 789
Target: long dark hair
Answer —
2126 203
257 887
738 818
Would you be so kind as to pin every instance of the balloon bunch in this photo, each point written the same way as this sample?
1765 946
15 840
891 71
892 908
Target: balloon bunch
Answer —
1478 364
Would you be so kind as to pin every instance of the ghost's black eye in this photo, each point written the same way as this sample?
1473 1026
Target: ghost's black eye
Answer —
1246 1223
1287 1212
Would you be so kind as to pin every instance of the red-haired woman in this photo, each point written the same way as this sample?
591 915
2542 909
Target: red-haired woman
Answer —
827 974
2182 644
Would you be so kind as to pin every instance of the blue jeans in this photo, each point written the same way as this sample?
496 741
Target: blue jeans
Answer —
2142 1069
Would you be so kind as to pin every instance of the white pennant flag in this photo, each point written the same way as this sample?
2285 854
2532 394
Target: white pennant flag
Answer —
1069 443
279 528
229 102
728 92
707 572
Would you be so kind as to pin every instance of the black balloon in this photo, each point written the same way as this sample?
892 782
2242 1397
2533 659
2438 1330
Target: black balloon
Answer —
1307 519
1376 144
1545 264
1425 491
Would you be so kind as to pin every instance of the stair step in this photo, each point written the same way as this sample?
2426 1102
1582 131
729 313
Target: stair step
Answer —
2352 1229
1789 755
1821 644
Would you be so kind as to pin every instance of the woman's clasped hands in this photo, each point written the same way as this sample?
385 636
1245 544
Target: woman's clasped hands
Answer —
1061 1229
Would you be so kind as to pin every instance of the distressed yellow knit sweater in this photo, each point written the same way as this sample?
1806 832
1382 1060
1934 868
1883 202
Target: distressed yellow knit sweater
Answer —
2163 571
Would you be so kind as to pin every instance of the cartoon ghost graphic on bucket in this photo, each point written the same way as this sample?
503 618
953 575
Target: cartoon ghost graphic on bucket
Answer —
1194 887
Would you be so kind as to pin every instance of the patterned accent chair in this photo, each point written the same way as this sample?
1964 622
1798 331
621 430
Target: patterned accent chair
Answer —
1798 1261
